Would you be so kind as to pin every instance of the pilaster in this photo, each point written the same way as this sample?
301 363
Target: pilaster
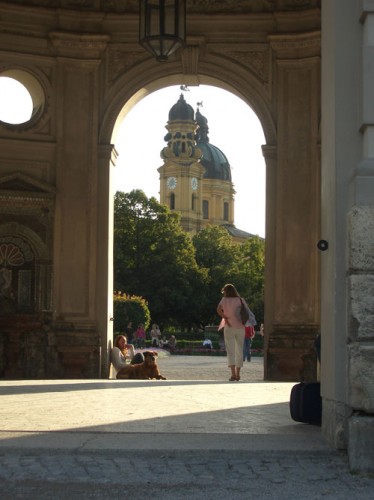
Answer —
76 229
293 212
79 331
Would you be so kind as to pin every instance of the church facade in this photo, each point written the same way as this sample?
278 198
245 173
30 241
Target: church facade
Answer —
305 68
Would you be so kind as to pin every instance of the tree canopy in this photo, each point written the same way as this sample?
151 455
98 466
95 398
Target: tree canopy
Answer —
228 262
155 258
181 277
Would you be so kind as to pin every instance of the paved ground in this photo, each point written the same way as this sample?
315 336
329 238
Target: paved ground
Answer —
195 435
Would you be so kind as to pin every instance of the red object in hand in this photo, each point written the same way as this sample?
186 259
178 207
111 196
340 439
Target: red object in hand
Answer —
249 332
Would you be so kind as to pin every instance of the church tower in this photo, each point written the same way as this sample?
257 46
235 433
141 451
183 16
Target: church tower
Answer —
218 189
195 179
182 173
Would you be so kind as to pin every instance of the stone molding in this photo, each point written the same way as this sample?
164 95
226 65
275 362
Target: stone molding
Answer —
79 45
269 152
218 6
296 45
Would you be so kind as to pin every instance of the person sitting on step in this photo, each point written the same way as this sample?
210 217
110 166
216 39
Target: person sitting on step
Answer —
122 353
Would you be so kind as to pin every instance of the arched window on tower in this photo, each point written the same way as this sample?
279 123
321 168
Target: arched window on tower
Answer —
172 201
193 202
225 211
205 209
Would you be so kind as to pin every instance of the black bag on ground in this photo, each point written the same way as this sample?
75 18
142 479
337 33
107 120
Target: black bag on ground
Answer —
306 403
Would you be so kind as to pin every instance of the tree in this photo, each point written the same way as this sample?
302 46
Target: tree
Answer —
229 262
155 259
251 274
181 277
129 308
216 254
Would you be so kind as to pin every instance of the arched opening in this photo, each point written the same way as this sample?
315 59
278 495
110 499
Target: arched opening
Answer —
290 311
139 133
233 127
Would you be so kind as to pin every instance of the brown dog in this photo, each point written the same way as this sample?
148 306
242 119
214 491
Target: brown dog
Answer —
143 371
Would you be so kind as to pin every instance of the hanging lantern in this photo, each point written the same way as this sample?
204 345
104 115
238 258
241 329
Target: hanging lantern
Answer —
162 28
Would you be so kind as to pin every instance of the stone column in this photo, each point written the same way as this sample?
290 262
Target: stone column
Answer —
270 155
107 158
293 212
360 276
79 315
347 291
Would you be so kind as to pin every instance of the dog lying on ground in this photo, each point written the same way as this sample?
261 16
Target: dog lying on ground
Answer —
142 371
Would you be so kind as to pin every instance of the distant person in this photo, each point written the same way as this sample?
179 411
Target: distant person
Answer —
140 336
129 330
172 343
229 310
164 343
248 337
155 335
123 354
158 332
208 344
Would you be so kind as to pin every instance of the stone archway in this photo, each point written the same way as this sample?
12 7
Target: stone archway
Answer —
293 321
268 55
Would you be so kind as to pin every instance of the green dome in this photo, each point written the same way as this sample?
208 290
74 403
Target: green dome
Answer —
214 160
181 111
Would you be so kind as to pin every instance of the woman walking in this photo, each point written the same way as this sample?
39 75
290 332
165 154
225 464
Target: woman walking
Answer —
234 330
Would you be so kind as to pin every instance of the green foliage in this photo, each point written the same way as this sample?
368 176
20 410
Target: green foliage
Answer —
217 254
155 258
257 342
181 277
195 344
129 308
250 277
229 262
197 336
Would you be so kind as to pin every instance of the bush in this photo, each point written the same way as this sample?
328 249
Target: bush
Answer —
129 308
195 344
188 336
213 336
199 352
258 342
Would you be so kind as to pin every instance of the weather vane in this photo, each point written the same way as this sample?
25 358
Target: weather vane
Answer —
184 88
199 104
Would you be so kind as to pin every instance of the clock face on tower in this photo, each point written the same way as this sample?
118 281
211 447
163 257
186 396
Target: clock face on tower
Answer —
171 182
194 183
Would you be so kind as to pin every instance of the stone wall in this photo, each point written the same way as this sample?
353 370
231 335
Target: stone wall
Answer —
31 347
360 283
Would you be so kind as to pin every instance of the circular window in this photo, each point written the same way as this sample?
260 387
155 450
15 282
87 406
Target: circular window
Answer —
21 97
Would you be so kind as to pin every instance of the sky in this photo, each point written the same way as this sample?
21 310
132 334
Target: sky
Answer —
233 127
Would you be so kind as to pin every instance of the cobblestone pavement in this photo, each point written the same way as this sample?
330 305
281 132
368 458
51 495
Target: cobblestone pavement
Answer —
179 475
194 436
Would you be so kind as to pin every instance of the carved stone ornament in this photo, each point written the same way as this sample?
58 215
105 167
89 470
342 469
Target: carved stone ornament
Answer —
120 62
257 61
